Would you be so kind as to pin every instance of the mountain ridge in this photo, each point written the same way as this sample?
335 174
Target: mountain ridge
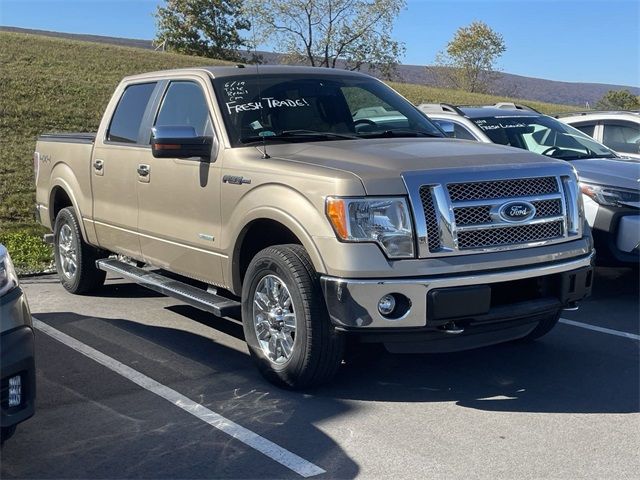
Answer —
581 94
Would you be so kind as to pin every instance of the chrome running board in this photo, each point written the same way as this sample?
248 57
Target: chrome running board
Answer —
194 296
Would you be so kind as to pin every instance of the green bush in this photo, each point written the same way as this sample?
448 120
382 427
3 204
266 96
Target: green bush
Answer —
28 252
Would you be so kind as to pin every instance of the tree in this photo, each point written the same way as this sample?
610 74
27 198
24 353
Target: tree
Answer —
209 28
469 58
331 33
619 100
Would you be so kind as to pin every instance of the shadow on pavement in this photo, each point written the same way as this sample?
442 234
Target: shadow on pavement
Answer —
216 376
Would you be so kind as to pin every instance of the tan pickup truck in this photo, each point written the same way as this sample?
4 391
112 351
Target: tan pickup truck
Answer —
320 205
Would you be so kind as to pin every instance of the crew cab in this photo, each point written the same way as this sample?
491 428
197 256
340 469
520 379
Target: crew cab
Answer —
270 194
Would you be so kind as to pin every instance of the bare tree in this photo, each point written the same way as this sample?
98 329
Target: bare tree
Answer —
331 33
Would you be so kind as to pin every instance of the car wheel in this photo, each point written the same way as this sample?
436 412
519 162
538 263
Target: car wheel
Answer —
285 319
75 259
544 326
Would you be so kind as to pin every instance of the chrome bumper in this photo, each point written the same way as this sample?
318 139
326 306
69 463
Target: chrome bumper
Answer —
353 303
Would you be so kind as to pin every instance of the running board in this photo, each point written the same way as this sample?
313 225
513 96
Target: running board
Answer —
196 297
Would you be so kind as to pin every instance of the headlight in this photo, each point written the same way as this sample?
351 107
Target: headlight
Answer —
8 277
385 221
611 196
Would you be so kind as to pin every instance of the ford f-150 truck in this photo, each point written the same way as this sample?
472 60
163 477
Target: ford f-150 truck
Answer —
320 205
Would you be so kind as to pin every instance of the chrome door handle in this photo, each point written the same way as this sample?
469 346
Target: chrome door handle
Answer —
98 164
143 170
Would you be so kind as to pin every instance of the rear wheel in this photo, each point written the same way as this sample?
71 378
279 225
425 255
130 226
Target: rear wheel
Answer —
544 326
75 259
285 319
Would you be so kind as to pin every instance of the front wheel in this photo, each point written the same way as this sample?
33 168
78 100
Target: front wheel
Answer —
285 319
75 259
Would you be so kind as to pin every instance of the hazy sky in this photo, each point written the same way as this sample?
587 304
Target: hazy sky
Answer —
570 40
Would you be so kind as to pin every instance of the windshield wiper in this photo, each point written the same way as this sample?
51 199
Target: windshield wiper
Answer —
581 157
314 133
290 135
399 132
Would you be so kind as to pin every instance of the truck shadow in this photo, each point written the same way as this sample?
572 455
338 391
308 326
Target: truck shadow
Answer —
569 371
217 376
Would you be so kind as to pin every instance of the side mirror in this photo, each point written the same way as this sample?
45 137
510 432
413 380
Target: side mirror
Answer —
179 142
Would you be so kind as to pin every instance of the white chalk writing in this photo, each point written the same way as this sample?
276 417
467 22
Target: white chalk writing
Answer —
234 107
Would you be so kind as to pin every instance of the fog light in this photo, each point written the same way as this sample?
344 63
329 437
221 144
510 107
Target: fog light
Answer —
387 304
15 391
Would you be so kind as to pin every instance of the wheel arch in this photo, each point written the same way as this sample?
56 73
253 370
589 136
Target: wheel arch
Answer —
282 229
61 196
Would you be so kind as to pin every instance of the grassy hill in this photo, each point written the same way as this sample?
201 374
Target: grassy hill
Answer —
56 84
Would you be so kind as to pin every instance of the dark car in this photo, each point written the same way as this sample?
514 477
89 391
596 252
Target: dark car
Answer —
17 351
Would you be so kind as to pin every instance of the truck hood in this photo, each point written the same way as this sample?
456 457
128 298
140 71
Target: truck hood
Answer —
379 162
615 172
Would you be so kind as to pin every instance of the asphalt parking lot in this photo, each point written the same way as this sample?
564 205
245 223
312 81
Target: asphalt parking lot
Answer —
173 394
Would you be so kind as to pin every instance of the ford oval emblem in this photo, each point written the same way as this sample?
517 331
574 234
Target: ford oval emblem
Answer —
517 211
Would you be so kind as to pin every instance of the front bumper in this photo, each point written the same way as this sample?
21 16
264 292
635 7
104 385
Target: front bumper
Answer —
616 234
481 298
17 358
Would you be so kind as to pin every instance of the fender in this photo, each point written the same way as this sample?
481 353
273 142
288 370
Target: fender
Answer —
281 204
62 176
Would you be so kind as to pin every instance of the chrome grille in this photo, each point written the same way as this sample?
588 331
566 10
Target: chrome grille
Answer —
493 237
502 188
458 212
548 208
482 214
472 215
433 236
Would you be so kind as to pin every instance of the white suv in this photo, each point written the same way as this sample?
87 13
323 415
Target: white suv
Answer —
620 131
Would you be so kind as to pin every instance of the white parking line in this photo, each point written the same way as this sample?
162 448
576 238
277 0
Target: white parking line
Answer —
608 331
261 444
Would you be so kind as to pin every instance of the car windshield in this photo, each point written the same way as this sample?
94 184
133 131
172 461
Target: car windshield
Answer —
542 134
287 108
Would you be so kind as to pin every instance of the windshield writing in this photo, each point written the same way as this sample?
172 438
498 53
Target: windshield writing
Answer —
303 108
543 135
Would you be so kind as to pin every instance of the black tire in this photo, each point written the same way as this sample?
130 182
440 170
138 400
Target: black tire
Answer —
317 346
86 276
6 433
544 326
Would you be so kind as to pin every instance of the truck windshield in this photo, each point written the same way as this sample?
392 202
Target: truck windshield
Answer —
542 134
286 108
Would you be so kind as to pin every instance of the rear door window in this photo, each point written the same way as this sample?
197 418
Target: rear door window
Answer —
585 127
126 120
184 105
622 136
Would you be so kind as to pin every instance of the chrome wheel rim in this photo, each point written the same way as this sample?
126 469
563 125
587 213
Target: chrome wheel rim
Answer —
274 319
68 252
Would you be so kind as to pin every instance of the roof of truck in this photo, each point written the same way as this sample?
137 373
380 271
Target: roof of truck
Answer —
235 70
